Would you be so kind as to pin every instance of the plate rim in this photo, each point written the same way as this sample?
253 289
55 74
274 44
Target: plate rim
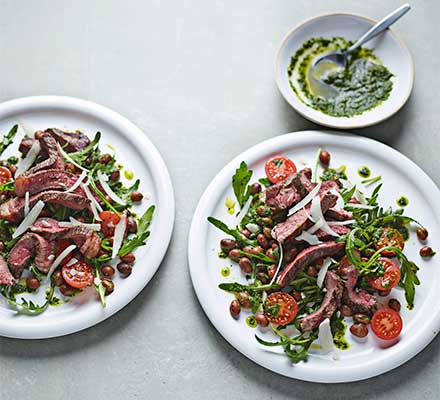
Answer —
193 255
335 125
160 178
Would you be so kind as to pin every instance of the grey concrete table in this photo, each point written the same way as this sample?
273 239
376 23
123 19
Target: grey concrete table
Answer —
198 77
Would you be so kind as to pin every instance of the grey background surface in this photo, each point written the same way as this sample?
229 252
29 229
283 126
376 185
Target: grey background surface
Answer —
198 77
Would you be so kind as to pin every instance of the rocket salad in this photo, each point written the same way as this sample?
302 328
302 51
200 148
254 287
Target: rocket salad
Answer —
317 252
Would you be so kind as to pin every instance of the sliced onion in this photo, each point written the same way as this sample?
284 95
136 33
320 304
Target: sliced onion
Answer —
70 159
29 159
341 223
26 204
92 202
119 235
60 258
361 206
77 182
323 271
253 228
107 189
244 210
309 238
325 336
29 219
280 262
306 200
93 227
317 215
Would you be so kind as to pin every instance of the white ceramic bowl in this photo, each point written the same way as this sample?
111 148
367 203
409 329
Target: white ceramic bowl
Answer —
135 152
388 47
365 358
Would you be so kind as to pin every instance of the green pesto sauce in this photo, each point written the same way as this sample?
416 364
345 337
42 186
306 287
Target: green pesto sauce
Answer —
225 271
251 321
364 171
402 201
339 339
364 84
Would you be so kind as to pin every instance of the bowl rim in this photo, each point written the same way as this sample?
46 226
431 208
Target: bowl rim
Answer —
299 26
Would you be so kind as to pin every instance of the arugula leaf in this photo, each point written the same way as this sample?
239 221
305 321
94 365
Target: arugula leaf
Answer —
92 149
347 194
28 307
334 174
142 233
9 186
8 139
265 182
236 287
235 233
262 257
240 182
100 287
370 181
93 186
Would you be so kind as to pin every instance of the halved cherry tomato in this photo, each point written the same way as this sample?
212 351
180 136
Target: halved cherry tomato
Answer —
286 310
78 275
279 168
390 237
5 175
109 222
386 324
62 245
389 279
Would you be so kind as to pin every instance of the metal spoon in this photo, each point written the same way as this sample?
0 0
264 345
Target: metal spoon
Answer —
340 57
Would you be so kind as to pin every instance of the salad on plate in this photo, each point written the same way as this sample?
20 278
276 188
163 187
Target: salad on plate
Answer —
66 219
316 254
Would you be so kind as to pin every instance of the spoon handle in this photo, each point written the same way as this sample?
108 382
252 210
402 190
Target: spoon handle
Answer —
381 26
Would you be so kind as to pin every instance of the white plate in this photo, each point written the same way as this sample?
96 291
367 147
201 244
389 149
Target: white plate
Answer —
133 150
400 177
390 49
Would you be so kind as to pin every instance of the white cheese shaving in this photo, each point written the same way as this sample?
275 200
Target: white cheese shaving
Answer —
362 206
29 159
323 271
68 158
244 210
107 189
340 201
26 204
94 227
306 200
325 336
280 262
119 235
72 261
93 202
317 215
254 228
29 219
60 258
77 182
309 238
341 223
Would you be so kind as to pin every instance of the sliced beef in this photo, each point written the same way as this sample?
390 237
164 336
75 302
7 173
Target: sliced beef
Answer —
44 180
339 229
54 158
26 144
285 194
70 141
359 300
306 257
31 246
6 277
13 209
296 223
332 299
338 215
88 242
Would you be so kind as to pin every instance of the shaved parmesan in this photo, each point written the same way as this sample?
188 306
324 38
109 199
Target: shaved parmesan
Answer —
107 189
317 215
306 200
325 336
70 159
77 182
93 203
341 223
244 210
119 235
309 238
280 262
340 201
29 159
29 219
94 227
60 258
72 261
362 206
254 228
26 204
323 271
